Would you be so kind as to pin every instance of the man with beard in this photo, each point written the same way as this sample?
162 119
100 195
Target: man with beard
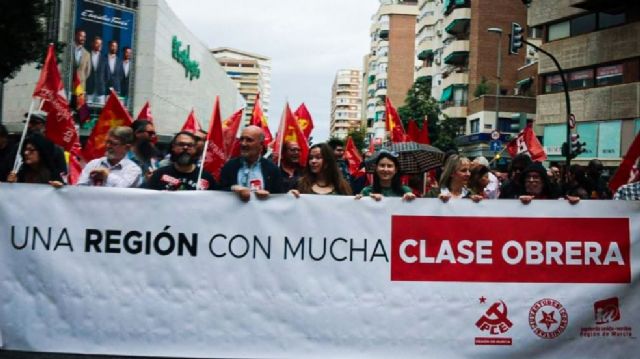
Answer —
144 152
251 172
182 173
115 169
290 168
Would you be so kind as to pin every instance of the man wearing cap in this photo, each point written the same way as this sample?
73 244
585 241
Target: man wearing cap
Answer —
37 124
114 169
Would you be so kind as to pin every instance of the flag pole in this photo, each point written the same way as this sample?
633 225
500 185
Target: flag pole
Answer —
281 134
204 156
18 160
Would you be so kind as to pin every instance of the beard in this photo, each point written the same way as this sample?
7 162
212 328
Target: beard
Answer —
146 149
183 159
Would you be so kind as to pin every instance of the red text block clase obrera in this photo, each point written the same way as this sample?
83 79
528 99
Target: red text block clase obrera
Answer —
502 249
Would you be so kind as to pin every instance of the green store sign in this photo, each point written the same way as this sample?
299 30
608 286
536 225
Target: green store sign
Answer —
191 68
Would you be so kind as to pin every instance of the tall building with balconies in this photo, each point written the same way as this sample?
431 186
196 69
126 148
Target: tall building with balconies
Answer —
346 103
458 53
596 43
252 74
389 66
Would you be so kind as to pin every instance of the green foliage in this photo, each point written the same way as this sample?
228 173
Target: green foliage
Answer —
358 136
23 26
419 105
482 88
447 133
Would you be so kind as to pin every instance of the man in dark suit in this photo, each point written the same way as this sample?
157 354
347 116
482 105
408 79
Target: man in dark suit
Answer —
114 68
251 172
127 67
96 82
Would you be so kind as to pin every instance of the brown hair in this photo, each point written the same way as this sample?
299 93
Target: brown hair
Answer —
329 169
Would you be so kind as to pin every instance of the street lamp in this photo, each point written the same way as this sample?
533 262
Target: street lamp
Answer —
498 31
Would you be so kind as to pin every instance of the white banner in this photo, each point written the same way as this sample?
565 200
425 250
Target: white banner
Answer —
201 274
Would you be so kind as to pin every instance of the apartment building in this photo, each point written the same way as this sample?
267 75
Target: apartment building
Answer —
251 72
346 103
388 69
597 45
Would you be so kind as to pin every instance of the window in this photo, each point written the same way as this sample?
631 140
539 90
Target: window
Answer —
474 125
553 83
609 75
559 31
580 79
507 124
608 20
583 24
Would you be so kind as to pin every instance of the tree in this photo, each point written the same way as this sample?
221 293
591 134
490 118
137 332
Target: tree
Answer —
23 23
482 88
447 133
358 135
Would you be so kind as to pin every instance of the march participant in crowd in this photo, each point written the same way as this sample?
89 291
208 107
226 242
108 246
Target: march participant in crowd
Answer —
37 165
492 189
535 184
36 124
251 172
596 182
629 192
143 152
511 188
7 153
479 180
337 146
114 169
454 180
290 168
182 173
577 182
321 175
386 179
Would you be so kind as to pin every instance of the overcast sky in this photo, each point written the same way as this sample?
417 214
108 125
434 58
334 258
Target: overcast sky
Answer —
307 41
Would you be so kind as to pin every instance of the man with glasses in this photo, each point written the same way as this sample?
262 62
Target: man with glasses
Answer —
144 152
114 169
182 173
251 172
290 168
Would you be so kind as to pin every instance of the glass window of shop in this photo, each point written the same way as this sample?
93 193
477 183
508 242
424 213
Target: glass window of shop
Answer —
588 132
554 137
553 83
609 75
583 24
609 139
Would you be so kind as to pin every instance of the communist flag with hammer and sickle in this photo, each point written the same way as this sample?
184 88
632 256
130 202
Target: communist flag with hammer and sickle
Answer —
303 117
113 115
259 119
290 131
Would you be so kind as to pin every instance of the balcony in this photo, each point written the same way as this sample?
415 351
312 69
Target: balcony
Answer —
426 71
383 35
458 21
450 5
456 109
382 91
455 78
425 54
428 20
457 53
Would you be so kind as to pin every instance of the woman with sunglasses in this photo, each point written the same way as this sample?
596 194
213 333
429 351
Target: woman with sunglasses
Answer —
37 165
386 179
321 175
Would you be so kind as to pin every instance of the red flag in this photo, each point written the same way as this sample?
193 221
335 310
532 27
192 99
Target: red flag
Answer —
81 107
113 115
527 142
259 119
191 124
393 123
303 117
413 132
290 131
145 113
353 158
214 155
423 137
628 170
60 128
229 130
75 168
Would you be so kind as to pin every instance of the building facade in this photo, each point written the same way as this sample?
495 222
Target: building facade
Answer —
597 43
389 65
252 74
171 68
346 103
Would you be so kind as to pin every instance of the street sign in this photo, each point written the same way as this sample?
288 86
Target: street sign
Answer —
495 135
495 145
572 121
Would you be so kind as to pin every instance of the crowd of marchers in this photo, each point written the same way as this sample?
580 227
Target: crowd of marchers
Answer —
132 160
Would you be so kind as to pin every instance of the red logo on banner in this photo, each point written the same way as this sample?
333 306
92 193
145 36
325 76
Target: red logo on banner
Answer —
606 311
495 322
548 318
525 250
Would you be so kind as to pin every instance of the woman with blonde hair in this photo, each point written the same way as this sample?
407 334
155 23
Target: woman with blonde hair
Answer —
454 180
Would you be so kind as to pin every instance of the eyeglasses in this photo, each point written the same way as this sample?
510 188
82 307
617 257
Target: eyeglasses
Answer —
184 144
534 178
113 143
150 133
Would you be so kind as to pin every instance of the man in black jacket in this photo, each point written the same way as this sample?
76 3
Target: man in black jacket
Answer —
251 172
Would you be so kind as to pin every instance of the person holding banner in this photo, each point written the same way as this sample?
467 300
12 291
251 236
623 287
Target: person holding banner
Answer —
114 169
251 172
535 184
454 180
290 168
182 173
37 165
321 175
386 179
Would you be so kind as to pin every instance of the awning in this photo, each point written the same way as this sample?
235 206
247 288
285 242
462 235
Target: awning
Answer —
456 57
384 34
371 79
446 94
423 78
457 26
425 54
524 82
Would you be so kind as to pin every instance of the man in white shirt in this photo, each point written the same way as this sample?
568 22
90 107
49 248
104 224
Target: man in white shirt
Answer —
114 68
96 83
492 190
114 169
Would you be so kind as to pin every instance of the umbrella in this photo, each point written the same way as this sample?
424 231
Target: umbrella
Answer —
414 158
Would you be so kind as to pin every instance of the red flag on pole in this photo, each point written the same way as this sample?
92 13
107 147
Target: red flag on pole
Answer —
113 115
191 124
259 119
353 158
145 113
60 127
290 131
423 137
303 117
393 123
413 132
527 142
230 128
628 170
214 156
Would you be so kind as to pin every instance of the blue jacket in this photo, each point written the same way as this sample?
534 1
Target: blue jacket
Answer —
270 174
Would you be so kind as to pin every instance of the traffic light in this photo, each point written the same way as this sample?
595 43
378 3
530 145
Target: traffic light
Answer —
515 40
577 147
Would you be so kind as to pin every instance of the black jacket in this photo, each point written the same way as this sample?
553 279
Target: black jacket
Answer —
270 174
